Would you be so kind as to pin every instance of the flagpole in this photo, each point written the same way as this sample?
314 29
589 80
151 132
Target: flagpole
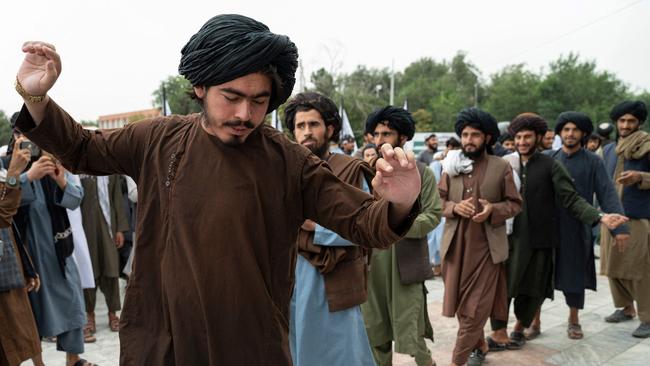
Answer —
164 100
392 84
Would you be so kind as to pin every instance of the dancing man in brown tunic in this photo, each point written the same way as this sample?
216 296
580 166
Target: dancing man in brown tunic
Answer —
474 243
221 196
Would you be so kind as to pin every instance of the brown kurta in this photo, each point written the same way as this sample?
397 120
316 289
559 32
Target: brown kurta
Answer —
475 286
19 340
216 228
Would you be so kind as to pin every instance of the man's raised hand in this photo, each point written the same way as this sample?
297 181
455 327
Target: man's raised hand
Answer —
40 68
397 179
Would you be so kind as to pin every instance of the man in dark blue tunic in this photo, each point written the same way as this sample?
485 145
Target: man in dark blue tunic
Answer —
575 268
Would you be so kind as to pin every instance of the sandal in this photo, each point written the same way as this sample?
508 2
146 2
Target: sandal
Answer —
517 341
113 322
532 332
83 362
495 346
90 323
574 331
618 316
476 358
88 336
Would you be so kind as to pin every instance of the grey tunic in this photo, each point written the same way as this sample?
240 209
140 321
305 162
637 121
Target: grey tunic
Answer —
58 306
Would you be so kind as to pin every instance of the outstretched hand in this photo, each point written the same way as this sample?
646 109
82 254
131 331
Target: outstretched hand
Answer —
612 221
40 68
397 179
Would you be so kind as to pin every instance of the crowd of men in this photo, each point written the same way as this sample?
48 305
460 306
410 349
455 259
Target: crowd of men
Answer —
75 235
255 249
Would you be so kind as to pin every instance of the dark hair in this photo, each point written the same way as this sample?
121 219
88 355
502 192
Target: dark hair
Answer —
453 142
395 118
346 138
367 147
307 101
430 137
506 137
530 122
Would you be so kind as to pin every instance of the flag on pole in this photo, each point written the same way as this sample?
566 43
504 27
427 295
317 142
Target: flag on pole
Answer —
168 110
346 128
275 121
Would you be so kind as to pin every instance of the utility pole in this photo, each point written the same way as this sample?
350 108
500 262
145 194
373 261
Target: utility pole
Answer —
392 84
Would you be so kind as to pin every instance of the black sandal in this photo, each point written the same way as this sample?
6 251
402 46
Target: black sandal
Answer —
83 362
495 346
517 341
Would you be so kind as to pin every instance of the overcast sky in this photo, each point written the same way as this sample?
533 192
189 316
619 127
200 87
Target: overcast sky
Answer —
115 53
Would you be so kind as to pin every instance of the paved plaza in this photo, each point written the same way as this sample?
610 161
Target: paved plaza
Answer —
603 344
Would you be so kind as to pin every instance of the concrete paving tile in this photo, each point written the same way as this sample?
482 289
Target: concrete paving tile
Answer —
638 355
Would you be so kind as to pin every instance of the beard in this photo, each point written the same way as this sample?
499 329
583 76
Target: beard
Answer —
208 121
476 153
316 149
570 145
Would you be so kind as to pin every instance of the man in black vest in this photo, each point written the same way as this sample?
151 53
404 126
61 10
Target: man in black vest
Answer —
545 185
628 162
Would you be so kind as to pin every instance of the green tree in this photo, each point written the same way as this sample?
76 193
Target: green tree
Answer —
512 90
363 90
88 123
423 120
176 92
5 128
577 85
324 83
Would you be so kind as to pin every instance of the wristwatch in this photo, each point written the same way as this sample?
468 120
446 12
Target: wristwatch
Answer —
12 182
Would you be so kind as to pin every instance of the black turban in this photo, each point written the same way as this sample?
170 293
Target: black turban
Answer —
636 108
396 118
581 120
478 119
528 121
230 46
14 118
306 101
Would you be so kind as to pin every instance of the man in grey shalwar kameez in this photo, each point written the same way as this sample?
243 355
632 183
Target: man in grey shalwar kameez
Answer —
58 306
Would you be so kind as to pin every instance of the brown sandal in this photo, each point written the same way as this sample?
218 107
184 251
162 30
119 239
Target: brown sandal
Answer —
113 322
574 331
90 323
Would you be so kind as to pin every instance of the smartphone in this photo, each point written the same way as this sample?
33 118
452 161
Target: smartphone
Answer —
34 150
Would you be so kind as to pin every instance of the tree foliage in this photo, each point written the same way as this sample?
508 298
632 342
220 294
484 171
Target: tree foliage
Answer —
5 128
512 90
437 90
176 92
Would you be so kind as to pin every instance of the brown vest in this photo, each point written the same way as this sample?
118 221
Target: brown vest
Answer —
344 269
491 190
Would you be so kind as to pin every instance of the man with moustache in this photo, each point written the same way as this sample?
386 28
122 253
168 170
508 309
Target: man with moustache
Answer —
575 268
221 197
478 196
546 142
431 143
396 309
545 186
326 326
628 162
